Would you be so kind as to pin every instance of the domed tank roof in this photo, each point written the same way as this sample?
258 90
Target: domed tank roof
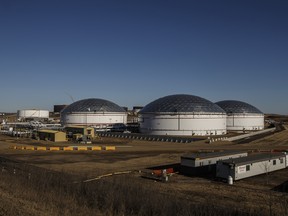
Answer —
93 105
181 103
237 107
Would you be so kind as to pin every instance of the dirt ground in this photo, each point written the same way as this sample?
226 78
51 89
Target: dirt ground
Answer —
135 155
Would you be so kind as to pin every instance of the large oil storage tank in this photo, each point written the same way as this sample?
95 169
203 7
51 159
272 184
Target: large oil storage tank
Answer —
93 112
182 114
242 116
28 114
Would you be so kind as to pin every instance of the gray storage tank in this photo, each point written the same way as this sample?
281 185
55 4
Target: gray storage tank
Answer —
242 116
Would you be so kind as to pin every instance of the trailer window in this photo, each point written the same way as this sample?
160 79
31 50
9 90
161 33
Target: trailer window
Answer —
274 162
247 167
281 160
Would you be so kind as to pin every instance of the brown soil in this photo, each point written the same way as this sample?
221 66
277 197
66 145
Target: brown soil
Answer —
135 155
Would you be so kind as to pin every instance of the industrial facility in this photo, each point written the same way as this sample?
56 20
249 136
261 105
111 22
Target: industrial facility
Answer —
242 116
32 114
98 113
185 115
173 116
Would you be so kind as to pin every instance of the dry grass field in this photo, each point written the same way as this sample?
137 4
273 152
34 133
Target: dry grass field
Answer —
252 196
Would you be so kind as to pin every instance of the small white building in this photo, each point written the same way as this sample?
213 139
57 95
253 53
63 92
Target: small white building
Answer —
242 116
182 115
29 114
252 165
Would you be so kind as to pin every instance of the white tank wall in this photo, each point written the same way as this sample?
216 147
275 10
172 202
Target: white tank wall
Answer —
247 122
93 119
24 114
187 125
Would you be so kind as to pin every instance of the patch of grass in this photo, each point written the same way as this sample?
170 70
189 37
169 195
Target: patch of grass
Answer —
56 193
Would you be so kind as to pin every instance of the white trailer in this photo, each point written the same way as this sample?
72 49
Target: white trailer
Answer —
205 163
204 159
252 165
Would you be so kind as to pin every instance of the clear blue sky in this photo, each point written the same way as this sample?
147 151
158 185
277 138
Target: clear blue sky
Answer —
132 52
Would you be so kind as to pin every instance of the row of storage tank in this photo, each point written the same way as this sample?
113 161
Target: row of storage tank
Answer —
183 115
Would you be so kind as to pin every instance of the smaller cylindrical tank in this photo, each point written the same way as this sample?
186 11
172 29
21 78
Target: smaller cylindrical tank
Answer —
32 114
242 116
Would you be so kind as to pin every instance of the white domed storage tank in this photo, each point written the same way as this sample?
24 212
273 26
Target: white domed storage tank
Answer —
93 112
242 116
32 114
183 115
